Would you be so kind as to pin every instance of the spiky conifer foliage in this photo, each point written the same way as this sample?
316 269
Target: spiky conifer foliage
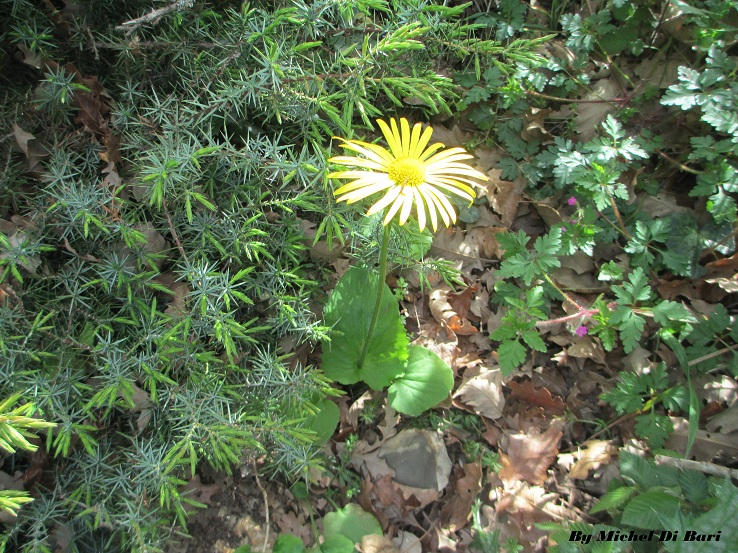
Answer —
159 165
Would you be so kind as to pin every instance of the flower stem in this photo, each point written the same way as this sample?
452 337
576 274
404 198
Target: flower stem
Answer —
620 218
380 292
567 297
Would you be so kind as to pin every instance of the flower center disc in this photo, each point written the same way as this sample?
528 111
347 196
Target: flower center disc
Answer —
407 172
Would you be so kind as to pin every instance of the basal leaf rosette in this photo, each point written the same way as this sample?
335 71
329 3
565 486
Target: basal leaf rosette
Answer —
410 174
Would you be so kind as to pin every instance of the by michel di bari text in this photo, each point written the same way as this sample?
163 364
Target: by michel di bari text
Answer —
652 535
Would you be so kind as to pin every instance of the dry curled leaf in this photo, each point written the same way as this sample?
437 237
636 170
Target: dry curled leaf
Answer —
450 310
708 446
595 454
373 543
537 396
529 455
483 394
466 487
455 245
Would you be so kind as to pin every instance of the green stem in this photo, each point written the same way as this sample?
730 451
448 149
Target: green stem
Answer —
567 297
380 292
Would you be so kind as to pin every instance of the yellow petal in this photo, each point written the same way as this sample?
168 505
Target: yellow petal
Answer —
431 207
360 183
420 205
356 175
422 142
447 156
385 200
358 162
395 207
447 207
431 149
364 192
437 205
392 139
452 186
372 151
405 137
407 204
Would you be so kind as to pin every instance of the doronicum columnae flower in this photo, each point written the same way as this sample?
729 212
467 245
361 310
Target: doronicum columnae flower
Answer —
408 173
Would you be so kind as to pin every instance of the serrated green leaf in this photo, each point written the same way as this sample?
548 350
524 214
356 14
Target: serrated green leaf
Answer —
534 340
720 517
668 311
635 290
644 472
610 271
630 325
510 354
613 499
654 428
427 381
349 311
694 485
647 510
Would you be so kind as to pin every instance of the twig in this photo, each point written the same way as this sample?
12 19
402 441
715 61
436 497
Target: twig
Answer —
679 164
701 466
586 313
266 505
153 16
709 356
619 217
174 232
619 101
567 297
614 423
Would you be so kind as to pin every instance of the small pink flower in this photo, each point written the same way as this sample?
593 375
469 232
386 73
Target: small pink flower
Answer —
581 331
572 201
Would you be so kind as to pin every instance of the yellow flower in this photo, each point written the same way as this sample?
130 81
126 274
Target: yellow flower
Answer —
408 173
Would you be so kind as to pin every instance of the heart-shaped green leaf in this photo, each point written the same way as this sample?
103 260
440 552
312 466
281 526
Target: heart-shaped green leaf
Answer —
324 421
334 544
349 311
352 522
427 381
287 543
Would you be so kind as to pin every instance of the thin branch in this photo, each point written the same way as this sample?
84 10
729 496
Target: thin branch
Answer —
174 232
266 505
712 355
619 101
700 466
153 16
679 164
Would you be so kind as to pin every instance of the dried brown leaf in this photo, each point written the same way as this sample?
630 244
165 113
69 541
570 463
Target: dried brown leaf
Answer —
504 197
374 543
450 310
725 422
455 245
595 454
708 446
529 455
592 113
456 510
483 394
537 396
